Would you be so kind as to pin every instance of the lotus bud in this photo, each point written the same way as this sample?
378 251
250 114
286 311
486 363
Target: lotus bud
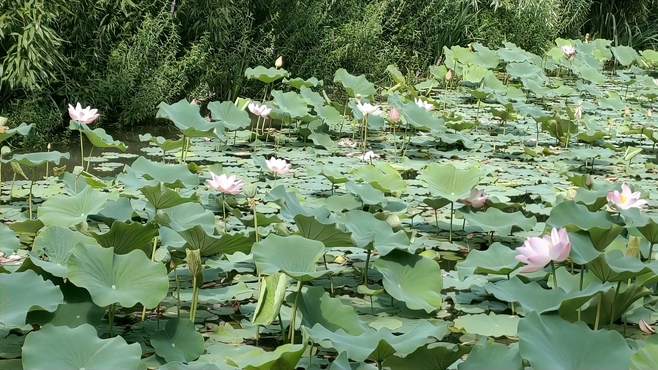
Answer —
627 112
4 151
394 221
341 260
633 247
649 113
589 182
394 115
588 38
250 190
279 62
3 121
49 146
193 259
449 76
578 112
646 328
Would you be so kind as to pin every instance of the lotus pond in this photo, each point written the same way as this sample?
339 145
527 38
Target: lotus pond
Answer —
496 213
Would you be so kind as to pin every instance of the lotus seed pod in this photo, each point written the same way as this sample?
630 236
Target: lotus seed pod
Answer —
193 259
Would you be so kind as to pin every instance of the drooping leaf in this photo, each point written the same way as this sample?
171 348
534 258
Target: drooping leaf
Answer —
450 182
23 292
294 255
178 341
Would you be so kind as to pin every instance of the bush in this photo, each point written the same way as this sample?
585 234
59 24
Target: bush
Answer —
46 117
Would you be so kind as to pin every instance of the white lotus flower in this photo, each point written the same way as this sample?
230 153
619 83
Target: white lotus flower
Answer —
423 104
260 110
368 109
83 115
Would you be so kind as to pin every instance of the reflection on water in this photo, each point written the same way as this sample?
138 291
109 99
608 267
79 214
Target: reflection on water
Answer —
130 137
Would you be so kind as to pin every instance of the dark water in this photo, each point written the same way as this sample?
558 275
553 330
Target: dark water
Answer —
130 137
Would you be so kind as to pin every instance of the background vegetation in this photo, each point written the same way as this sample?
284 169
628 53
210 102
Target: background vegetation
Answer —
125 56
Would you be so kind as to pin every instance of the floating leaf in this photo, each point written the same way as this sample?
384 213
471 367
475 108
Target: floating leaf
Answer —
178 341
67 211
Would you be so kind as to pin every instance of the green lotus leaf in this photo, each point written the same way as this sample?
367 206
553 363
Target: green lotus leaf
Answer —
493 219
271 296
625 55
571 214
161 197
355 85
186 216
290 103
450 182
127 237
67 211
532 297
143 172
238 291
101 139
266 75
9 242
323 140
61 347
578 346
327 233
318 307
229 115
125 279
368 232
436 356
368 193
187 118
164 144
492 356
22 129
474 73
420 118
329 115
645 358
76 310
382 176
412 279
378 345
583 250
298 83
311 97
498 259
294 255
39 158
283 357
178 341
650 231
615 266
490 325
198 238
53 247
341 362
23 292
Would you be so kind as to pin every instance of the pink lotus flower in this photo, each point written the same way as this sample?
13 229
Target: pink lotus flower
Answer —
423 104
83 115
538 252
646 328
625 199
225 184
278 166
578 112
260 110
394 115
476 200
11 260
569 51
368 109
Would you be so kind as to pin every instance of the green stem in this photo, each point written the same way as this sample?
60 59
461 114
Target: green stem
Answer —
365 271
177 292
224 211
580 287
182 149
194 299
612 306
598 312
452 208
29 198
256 224
294 313
281 327
82 148
331 279
155 244
651 251
110 319
554 275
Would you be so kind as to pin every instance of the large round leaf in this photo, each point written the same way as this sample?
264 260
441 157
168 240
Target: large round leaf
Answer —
61 347
178 341
355 85
266 75
498 259
67 211
450 182
412 279
40 158
9 242
293 255
229 115
493 219
53 247
125 279
550 343
290 103
22 292
187 118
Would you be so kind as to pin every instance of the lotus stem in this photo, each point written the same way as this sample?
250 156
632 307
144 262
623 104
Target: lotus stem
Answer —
182 150
436 220
365 133
365 272
155 244
110 319
195 298
88 159
452 208
281 327
177 291
224 211
256 224
612 306
651 251
554 275
82 149
29 197
331 279
294 313
11 189
580 287
598 312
